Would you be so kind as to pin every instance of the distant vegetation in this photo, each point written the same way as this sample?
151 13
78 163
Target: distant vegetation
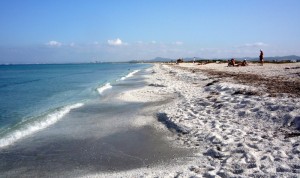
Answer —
277 59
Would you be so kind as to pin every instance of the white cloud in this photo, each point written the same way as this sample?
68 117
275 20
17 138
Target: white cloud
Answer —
251 45
178 43
153 42
54 43
115 42
139 42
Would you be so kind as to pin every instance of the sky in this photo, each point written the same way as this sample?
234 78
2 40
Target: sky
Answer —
63 31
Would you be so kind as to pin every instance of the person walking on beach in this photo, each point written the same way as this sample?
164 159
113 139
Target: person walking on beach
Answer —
261 57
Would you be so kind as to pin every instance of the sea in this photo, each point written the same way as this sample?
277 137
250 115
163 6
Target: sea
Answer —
64 120
33 97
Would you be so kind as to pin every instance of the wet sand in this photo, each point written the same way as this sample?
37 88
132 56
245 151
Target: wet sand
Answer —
97 138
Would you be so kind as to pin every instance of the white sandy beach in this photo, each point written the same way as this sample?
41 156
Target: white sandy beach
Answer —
236 130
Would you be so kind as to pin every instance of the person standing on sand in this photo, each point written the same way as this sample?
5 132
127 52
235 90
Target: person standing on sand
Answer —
261 58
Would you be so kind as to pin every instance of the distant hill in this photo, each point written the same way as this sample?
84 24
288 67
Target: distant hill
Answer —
283 58
161 59
276 58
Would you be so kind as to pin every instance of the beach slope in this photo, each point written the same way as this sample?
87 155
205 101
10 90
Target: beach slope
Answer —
241 121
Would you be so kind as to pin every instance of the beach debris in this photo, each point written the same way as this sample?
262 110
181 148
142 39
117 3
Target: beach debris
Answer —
292 68
294 134
211 83
156 85
245 92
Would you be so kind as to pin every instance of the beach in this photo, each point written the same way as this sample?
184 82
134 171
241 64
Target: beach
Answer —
149 89
169 120
239 121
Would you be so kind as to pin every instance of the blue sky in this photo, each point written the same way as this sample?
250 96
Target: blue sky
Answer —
58 31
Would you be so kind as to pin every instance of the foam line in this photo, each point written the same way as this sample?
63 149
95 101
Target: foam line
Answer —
130 74
36 126
104 87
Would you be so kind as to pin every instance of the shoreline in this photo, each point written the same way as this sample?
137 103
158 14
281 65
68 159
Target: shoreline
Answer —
101 136
187 120
236 128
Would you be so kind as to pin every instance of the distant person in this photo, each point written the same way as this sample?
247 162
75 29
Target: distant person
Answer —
194 60
244 63
261 57
231 63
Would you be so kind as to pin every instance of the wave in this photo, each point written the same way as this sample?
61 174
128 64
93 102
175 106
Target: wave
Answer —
130 74
35 126
104 87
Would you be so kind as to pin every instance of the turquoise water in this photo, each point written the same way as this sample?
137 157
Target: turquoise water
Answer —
69 121
35 96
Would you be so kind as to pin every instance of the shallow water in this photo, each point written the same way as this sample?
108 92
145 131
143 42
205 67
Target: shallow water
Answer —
35 96
98 137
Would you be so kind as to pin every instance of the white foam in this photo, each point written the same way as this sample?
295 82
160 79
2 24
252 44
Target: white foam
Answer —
130 74
104 87
36 126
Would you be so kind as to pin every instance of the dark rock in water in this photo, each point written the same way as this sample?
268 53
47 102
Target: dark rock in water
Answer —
163 118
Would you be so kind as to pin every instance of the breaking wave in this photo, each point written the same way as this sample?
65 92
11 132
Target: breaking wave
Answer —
104 87
27 128
130 74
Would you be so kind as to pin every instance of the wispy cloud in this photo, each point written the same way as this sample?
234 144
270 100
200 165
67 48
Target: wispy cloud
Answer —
115 42
253 45
54 43
178 43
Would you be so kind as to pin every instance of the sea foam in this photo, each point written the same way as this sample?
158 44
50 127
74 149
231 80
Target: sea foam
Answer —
130 74
35 126
104 87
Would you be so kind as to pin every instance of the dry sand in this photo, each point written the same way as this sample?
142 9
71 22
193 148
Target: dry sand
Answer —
241 121
285 76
